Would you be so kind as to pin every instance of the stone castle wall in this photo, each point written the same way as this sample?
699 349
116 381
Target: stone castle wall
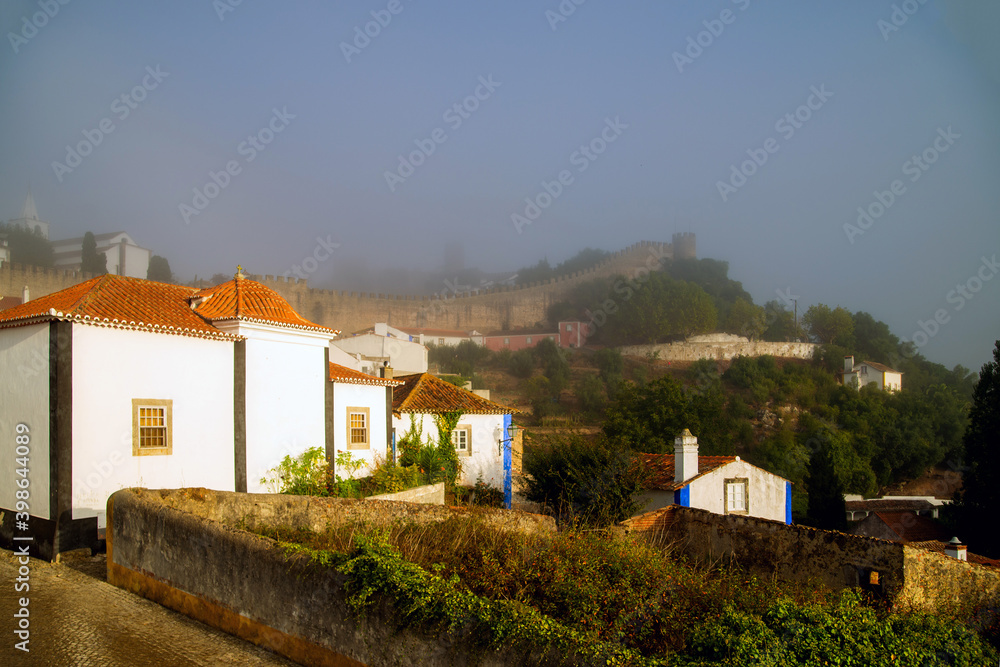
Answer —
693 351
488 310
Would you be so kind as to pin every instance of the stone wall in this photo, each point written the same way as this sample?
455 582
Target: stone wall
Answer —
431 494
171 547
483 310
905 575
693 351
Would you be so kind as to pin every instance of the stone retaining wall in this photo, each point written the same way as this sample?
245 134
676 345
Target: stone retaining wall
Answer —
183 549
693 351
431 494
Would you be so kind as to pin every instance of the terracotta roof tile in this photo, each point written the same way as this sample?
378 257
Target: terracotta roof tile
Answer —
661 466
423 393
118 302
887 505
9 302
881 367
938 546
248 300
911 527
347 375
132 303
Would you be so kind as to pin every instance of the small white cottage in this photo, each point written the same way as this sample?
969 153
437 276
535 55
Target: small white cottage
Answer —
483 437
125 382
869 372
720 484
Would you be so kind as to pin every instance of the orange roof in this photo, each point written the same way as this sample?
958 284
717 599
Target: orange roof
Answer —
939 546
661 467
654 521
912 527
119 302
132 303
880 367
423 393
347 375
249 301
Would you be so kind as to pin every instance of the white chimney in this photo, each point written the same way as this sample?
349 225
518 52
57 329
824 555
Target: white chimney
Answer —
685 456
955 549
848 364
24 294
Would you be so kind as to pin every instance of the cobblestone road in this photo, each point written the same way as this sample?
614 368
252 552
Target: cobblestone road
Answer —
77 618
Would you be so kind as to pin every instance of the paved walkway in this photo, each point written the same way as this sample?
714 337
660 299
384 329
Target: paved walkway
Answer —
77 618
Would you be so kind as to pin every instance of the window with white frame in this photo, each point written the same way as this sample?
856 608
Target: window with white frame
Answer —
528 341
152 426
462 439
736 496
358 428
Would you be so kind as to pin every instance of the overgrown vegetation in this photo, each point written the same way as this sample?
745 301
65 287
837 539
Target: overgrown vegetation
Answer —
309 474
616 598
28 246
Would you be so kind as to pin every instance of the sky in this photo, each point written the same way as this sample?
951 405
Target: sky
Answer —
844 152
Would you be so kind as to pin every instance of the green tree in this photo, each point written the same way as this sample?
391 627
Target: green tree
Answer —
92 261
656 310
648 419
590 391
159 270
522 363
980 495
829 326
746 319
780 323
826 492
28 246
590 482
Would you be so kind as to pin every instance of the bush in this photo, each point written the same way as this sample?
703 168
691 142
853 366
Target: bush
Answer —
586 482
522 363
305 475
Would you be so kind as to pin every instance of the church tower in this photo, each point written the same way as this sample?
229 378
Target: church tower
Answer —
29 218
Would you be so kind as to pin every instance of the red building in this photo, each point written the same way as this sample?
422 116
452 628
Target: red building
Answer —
567 334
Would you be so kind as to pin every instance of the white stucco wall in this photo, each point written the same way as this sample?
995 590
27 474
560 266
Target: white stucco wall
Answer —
486 458
110 368
338 356
765 491
286 377
24 398
359 395
405 357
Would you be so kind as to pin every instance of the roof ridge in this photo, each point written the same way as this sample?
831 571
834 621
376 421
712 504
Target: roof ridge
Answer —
91 293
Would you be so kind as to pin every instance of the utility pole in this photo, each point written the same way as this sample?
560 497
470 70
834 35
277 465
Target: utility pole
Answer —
796 302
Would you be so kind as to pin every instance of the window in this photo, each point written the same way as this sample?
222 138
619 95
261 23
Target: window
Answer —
358 428
506 341
152 426
569 327
528 341
736 496
462 438
440 341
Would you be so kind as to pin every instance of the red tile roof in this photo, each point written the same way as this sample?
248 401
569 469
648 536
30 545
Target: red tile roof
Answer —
249 301
423 393
938 546
662 468
346 375
118 302
881 367
911 527
887 505
131 303
658 520
9 302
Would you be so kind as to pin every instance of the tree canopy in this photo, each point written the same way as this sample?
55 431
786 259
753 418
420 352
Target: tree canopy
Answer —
159 270
91 261
28 246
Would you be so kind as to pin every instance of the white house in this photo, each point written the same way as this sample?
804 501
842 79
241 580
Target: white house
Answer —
720 484
869 372
125 257
484 436
375 350
362 416
124 382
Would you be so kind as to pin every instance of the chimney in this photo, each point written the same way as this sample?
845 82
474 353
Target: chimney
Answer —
685 456
24 295
955 549
385 371
848 364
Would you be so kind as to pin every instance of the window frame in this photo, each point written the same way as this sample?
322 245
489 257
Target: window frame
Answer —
745 483
167 405
351 410
467 429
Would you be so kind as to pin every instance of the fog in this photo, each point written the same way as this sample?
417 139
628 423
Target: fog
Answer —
846 152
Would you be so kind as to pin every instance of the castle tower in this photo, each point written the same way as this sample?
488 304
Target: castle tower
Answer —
29 218
684 246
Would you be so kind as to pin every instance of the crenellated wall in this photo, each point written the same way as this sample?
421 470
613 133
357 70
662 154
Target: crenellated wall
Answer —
505 307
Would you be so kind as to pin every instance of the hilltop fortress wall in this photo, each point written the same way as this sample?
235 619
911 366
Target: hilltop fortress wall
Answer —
487 310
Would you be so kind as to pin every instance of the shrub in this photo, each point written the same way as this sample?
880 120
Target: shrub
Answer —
485 495
522 363
305 475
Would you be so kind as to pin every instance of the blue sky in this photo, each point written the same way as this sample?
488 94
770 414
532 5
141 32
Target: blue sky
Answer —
554 87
